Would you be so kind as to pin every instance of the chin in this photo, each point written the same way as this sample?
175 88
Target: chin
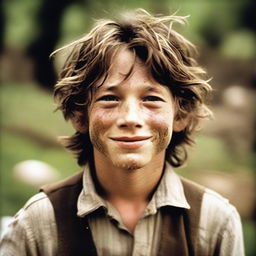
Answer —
130 167
130 163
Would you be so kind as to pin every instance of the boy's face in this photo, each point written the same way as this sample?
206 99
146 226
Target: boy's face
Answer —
131 121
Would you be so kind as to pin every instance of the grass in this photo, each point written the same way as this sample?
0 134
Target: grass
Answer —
27 107
212 154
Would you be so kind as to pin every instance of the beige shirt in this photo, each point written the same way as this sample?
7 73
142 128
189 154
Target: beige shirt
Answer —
34 229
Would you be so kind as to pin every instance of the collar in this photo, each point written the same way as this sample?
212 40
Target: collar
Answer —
169 192
89 200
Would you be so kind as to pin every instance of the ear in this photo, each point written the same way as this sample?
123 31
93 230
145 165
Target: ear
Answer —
79 123
180 124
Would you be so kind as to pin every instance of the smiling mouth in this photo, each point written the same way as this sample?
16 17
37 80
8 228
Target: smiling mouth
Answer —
131 143
131 139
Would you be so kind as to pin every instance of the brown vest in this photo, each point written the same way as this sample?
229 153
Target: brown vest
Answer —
179 231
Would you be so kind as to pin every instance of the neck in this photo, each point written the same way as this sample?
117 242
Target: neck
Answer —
129 191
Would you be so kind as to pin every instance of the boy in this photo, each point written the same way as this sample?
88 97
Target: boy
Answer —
134 94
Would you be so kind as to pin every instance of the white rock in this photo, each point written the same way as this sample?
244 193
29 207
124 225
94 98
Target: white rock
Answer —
236 97
35 172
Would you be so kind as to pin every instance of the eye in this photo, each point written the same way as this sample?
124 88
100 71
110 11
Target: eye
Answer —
108 98
152 98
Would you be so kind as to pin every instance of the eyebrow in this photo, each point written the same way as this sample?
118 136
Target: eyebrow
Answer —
115 87
152 89
111 88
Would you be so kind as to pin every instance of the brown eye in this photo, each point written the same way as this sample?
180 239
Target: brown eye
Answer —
108 98
152 98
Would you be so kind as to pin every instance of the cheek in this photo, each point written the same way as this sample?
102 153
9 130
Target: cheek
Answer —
101 119
162 126
161 120
97 127
99 123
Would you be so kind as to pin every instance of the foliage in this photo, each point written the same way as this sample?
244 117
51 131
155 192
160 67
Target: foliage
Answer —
240 45
209 23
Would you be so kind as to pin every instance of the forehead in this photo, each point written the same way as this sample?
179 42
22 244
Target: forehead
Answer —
126 68
128 74
124 61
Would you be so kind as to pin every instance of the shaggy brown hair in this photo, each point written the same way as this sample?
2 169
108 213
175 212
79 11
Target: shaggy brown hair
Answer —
167 55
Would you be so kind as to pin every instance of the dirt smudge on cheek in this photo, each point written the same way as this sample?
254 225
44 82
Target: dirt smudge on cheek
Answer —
100 121
162 139
97 129
162 131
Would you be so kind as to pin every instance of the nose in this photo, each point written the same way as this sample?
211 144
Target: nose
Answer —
130 115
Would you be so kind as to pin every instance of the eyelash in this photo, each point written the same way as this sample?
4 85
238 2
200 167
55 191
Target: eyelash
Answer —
108 98
115 98
152 98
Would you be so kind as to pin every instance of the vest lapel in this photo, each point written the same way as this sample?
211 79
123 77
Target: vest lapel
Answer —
74 235
173 238
180 226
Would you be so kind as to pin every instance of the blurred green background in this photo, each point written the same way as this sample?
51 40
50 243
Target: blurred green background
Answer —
225 34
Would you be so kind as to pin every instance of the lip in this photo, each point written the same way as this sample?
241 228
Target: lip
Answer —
131 139
131 142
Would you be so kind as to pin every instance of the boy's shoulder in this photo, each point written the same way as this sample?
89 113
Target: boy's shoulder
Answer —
38 209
